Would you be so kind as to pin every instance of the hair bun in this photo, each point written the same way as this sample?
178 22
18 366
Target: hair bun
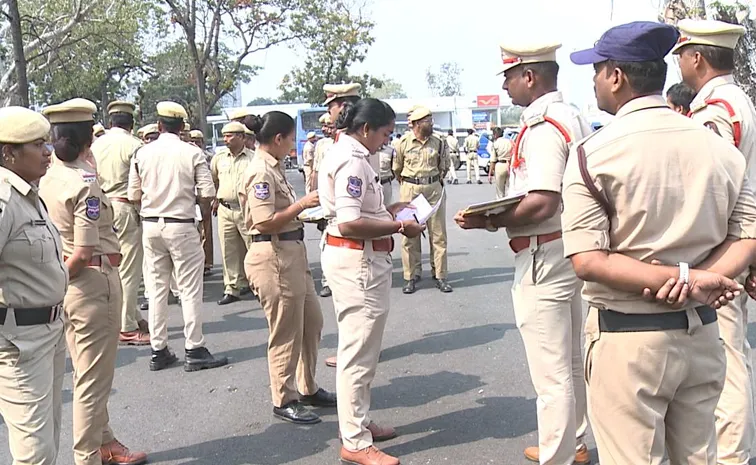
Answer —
256 123
346 116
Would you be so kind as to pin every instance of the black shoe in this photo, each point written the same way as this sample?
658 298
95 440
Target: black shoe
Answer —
456 181
442 285
228 299
322 398
244 291
201 359
295 412
409 286
173 299
469 182
144 306
480 182
325 292
162 359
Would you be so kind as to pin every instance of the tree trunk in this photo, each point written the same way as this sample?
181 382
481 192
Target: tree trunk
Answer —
201 99
18 53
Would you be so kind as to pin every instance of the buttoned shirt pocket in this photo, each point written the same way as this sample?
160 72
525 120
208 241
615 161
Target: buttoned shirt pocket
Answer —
39 242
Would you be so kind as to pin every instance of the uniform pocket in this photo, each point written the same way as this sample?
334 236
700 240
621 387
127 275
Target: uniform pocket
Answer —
41 244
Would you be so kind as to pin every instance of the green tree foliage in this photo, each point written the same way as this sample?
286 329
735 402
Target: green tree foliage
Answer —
446 81
341 39
389 89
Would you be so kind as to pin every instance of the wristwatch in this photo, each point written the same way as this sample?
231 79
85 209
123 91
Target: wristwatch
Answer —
489 224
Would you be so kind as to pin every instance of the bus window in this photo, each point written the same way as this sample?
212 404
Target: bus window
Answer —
306 121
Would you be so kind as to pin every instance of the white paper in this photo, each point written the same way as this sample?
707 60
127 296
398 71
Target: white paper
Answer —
312 214
422 211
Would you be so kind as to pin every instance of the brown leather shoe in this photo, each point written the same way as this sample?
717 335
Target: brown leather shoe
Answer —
368 456
581 455
379 433
143 326
134 338
115 453
331 362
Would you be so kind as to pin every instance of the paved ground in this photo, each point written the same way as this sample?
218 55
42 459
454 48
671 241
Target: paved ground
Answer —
452 377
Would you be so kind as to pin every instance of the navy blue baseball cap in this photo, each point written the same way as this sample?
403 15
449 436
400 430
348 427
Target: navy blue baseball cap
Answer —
633 42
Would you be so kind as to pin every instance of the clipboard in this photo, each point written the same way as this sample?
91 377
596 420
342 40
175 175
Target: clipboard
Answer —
493 207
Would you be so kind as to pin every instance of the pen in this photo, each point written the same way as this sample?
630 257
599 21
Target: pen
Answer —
418 222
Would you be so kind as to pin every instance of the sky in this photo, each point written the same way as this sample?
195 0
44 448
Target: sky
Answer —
411 36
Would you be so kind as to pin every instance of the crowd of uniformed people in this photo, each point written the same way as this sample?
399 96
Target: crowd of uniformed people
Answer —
651 221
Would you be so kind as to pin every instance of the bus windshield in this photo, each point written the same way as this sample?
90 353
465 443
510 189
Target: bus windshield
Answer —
307 121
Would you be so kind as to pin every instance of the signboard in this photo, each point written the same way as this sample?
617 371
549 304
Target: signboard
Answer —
488 101
481 119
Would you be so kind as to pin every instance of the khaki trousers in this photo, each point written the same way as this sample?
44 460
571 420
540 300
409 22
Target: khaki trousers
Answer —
472 167
654 390
234 242
32 364
501 175
454 157
548 313
93 318
734 414
169 248
206 234
411 247
388 193
128 228
361 282
282 279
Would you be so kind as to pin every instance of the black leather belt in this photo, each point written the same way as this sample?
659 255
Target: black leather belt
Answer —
617 322
230 205
155 219
296 235
33 316
387 180
427 180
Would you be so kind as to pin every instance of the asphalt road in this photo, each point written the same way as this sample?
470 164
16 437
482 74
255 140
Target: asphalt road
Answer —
452 378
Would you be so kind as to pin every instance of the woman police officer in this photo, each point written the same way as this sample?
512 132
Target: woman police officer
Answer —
84 216
276 263
357 260
33 282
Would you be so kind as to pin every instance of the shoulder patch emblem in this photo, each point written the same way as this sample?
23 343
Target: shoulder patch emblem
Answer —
262 190
713 126
354 186
93 208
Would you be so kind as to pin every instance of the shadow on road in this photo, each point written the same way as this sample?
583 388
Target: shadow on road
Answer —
232 322
444 341
279 444
496 417
413 391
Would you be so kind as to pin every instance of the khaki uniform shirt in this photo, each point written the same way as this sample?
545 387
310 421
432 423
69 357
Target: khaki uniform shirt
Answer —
472 143
724 87
321 147
265 191
308 154
678 191
502 150
164 175
545 151
386 160
349 188
228 172
453 144
113 153
32 272
79 208
415 159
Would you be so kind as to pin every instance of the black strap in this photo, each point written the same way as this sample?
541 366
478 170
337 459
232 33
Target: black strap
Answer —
618 322
155 219
296 235
33 316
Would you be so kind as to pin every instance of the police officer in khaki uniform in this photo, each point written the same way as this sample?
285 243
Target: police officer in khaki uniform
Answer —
321 147
499 168
98 130
92 305
308 158
420 165
453 145
148 133
548 309
33 280
386 156
277 263
227 168
170 237
113 153
206 225
357 259
472 144
654 374
706 59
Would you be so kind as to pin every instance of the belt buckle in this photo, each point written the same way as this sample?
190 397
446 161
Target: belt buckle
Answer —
55 312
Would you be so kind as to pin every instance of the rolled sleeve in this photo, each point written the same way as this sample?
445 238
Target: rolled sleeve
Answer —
86 212
202 177
350 182
742 221
545 150
585 224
